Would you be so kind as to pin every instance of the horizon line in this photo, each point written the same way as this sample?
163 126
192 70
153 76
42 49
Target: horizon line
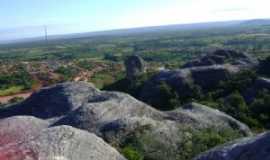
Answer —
32 38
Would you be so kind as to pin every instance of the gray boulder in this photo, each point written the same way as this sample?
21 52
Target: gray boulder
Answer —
117 118
184 81
60 143
222 57
211 76
134 66
203 117
54 101
20 128
255 148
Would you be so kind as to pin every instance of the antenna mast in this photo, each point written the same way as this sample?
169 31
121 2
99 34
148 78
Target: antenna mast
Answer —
46 34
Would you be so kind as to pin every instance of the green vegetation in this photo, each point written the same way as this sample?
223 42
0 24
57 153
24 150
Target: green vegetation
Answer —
260 109
102 79
132 87
68 72
203 140
131 153
165 46
11 90
227 97
16 81
191 143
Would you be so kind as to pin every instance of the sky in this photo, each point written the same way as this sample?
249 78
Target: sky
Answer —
26 18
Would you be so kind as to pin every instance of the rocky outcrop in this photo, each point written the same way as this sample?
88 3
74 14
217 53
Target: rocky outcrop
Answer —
210 76
54 101
204 116
184 81
255 148
60 143
220 57
114 116
134 66
204 73
121 117
20 128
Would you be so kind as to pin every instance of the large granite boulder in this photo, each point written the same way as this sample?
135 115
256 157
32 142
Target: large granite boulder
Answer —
53 101
20 128
184 81
116 117
254 148
134 66
204 116
60 143
211 76
222 57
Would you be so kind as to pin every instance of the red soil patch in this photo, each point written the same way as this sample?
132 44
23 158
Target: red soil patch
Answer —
5 99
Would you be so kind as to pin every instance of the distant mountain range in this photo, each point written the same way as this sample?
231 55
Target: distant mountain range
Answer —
141 30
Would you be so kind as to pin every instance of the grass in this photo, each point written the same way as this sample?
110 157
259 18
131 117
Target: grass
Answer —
100 80
12 90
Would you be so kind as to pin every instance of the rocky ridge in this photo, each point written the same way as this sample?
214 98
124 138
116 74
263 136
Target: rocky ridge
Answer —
115 117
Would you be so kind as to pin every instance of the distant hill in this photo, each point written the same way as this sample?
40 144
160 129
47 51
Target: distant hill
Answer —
257 22
142 30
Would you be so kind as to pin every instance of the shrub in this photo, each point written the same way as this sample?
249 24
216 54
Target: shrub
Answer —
203 140
168 98
260 109
239 82
18 80
131 153
68 72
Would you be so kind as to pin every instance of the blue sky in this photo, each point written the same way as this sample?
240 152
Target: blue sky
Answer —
25 18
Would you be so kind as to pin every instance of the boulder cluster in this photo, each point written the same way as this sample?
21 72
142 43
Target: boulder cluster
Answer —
206 73
76 121
220 57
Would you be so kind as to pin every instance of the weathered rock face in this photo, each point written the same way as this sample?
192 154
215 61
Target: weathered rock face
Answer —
256 148
222 57
134 66
60 143
180 80
210 76
184 80
114 116
53 101
260 84
20 128
122 117
204 116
